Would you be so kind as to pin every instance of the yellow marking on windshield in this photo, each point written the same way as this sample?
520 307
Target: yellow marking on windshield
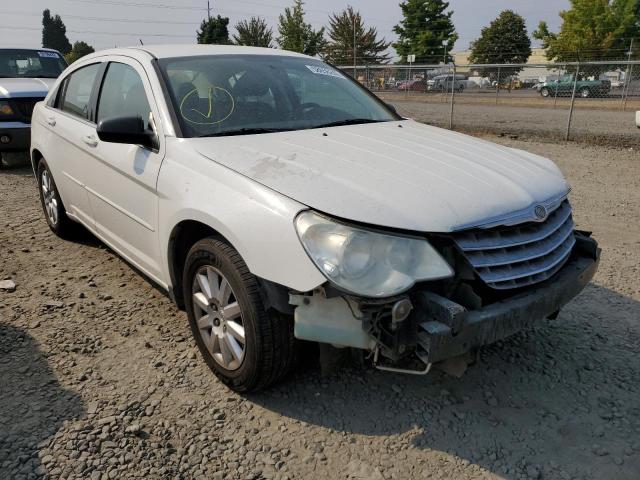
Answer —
211 109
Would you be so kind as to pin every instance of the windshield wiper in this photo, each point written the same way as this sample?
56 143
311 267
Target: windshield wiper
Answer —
246 131
349 121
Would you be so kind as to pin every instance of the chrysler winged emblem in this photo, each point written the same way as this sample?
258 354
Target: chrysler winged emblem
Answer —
540 212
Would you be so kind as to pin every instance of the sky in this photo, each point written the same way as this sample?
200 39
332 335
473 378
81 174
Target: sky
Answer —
109 23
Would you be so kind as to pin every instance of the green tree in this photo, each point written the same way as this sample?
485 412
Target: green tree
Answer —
505 40
296 35
340 48
592 30
54 33
253 33
426 31
214 30
79 50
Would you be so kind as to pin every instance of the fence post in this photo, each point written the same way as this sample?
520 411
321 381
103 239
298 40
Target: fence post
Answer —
555 99
498 86
573 101
453 96
627 83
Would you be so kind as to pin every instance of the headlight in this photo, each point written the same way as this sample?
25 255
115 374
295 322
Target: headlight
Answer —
5 109
368 263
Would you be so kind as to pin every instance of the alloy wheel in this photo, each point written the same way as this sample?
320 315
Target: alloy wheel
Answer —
218 317
49 197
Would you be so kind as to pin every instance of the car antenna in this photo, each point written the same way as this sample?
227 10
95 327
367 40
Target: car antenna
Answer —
140 40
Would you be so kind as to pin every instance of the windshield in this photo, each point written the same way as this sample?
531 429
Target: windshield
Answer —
30 64
245 94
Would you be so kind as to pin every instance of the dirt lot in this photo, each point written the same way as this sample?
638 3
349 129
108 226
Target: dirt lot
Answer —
595 121
99 377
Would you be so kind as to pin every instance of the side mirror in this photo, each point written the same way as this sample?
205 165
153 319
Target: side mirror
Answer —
129 130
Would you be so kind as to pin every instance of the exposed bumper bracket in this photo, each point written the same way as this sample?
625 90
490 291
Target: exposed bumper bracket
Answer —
441 338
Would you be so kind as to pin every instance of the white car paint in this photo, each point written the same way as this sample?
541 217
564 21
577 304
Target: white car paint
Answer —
250 188
25 87
638 119
404 174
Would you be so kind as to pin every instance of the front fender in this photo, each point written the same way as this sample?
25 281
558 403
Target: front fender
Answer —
257 221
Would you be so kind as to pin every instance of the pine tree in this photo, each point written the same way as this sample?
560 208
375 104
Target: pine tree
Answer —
426 31
253 33
214 30
54 33
79 50
340 48
505 40
298 36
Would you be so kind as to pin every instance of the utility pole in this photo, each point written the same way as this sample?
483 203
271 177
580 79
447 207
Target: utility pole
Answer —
355 48
208 10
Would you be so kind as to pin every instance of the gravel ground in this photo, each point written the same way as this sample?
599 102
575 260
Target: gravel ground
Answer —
589 125
100 378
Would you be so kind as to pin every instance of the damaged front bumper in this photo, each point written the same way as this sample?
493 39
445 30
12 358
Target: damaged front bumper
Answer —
432 328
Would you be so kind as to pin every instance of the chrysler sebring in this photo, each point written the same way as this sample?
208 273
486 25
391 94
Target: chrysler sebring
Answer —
275 200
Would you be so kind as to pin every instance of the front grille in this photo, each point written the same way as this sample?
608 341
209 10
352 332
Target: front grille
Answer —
23 107
520 255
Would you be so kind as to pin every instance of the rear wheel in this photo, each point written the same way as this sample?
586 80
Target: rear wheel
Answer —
545 92
52 206
585 92
246 347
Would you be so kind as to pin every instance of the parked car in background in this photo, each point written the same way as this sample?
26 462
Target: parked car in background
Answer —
25 78
584 88
275 199
413 86
446 83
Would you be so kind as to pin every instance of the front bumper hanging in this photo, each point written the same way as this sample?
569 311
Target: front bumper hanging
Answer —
446 329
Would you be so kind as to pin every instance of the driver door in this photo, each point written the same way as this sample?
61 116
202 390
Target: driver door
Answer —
122 191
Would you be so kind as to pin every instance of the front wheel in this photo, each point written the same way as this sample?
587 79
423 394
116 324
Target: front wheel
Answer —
246 347
545 92
585 93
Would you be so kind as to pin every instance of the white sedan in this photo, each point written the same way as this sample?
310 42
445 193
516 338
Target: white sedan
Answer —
277 200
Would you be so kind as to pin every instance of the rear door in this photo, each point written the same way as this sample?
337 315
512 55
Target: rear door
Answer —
122 188
71 140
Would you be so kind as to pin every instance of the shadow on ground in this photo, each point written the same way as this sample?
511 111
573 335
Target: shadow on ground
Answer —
33 405
560 401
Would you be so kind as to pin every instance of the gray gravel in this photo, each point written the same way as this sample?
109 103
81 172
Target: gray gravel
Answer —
100 378
596 126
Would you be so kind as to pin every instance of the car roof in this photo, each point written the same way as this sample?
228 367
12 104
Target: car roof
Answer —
191 50
42 49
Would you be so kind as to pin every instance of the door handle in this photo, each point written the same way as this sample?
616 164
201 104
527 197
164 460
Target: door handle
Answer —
51 121
90 140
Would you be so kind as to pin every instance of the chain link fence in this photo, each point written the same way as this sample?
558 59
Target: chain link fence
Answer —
594 102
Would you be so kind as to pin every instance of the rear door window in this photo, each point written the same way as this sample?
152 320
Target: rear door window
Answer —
77 93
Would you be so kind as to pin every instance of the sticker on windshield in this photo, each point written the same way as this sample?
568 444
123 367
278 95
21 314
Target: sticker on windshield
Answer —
325 71
48 54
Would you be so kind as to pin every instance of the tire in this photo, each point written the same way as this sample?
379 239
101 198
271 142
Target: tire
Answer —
54 212
545 92
246 347
585 92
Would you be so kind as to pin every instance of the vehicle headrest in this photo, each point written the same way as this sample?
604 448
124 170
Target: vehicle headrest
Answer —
250 85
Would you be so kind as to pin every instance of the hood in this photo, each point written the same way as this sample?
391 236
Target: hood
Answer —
25 87
399 174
